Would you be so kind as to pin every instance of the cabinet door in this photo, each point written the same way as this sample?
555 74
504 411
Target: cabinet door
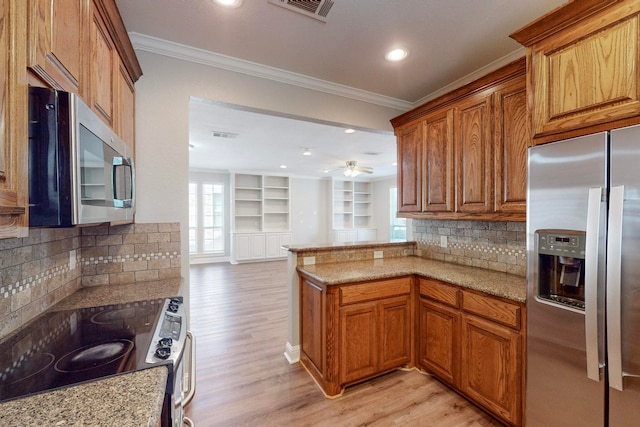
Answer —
242 250
358 342
512 138
588 73
312 319
395 320
14 191
438 163
439 340
101 68
474 160
56 41
258 246
410 168
489 371
125 125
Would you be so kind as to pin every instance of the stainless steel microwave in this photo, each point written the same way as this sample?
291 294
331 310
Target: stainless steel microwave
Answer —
80 171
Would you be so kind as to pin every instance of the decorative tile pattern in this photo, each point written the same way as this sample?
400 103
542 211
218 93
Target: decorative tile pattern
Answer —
36 273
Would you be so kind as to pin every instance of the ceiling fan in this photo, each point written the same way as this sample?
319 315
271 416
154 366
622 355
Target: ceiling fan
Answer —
352 170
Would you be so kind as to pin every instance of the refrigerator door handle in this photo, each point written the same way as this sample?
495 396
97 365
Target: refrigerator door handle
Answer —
591 283
614 283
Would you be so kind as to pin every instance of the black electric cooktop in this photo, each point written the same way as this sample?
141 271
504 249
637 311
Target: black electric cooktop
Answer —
73 346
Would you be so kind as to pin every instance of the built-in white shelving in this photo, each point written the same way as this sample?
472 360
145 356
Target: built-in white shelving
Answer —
352 212
261 217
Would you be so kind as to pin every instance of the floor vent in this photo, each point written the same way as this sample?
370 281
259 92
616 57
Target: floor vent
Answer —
318 9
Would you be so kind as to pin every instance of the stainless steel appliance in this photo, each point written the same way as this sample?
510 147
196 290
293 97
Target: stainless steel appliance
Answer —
66 347
80 171
583 297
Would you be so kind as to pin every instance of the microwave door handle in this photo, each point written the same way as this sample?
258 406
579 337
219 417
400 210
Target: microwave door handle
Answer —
591 283
119 161
614 284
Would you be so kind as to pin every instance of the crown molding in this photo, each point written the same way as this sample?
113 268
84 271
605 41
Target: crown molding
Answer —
481 72
158 46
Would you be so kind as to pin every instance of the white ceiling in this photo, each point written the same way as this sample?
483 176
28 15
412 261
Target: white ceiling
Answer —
449 42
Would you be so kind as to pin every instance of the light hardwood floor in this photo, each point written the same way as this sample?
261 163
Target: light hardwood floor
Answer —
238 314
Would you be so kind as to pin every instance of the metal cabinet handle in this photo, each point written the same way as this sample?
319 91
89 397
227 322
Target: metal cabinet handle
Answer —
614 282
591 283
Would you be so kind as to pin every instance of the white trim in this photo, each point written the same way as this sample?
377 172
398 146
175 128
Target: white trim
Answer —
200 56
292 353
481 72
212 59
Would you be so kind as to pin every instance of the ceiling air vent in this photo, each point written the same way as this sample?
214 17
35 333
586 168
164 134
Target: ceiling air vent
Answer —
318 9
221 134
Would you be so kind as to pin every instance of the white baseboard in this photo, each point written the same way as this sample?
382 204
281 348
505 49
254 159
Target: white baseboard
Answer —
292 353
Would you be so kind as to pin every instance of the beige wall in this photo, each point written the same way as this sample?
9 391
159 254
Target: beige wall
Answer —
162 125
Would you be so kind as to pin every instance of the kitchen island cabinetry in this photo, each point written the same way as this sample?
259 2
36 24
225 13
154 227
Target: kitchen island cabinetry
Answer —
463 155
583 68
355 331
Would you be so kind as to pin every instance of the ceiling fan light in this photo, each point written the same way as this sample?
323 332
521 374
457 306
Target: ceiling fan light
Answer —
306 152
347 172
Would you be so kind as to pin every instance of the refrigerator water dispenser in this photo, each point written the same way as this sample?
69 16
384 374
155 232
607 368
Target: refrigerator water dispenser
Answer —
561 267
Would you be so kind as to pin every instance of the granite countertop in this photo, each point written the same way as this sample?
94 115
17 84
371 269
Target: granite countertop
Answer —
131 399
128 400
344 245
491 282
119 294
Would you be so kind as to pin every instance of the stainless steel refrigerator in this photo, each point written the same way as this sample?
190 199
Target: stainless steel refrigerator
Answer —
583 280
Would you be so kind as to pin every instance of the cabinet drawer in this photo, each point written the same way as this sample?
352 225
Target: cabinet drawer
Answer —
508 314
440 291
374 290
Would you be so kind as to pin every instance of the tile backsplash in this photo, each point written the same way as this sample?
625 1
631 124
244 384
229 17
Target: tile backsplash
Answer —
40 270
499 246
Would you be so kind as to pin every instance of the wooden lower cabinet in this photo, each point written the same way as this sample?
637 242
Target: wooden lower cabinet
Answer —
470 340
475 343
438 340
490 373
355 331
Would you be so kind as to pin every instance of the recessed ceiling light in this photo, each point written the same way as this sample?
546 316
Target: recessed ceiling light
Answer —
396 55
394 164
231 4
349 130
283 166
306 152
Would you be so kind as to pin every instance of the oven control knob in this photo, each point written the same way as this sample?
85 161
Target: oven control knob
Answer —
176 300
173 307
163 352
165 342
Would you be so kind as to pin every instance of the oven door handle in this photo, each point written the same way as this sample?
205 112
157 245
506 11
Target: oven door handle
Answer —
186 396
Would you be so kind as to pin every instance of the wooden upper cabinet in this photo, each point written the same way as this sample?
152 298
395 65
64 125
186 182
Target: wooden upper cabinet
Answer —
474 159
584 68
464 155
438 163
56 42
410 167
511 139
102 71
125 100
14 191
